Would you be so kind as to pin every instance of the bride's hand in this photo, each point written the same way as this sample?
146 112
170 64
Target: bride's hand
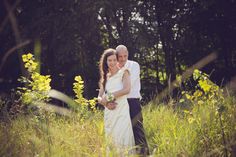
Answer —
104 101
111 105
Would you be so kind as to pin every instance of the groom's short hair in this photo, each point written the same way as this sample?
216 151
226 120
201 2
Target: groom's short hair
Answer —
120 48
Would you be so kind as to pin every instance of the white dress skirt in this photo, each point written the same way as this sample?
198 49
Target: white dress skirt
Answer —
118 127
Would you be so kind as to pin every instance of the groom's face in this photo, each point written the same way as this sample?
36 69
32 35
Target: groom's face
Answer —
122 57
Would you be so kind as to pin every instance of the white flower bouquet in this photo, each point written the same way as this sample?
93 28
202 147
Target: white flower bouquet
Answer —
110 97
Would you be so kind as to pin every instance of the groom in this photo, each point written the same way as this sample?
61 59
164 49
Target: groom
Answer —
134 99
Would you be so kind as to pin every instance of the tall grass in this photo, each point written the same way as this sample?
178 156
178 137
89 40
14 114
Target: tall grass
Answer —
170 131
168 134
173 131
52 135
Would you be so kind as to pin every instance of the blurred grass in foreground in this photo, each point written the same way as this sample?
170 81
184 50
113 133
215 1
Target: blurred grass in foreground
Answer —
170 131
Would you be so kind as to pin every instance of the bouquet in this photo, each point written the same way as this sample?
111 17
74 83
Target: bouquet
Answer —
110 97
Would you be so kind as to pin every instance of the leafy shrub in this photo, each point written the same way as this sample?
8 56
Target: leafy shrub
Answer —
37 86
206 128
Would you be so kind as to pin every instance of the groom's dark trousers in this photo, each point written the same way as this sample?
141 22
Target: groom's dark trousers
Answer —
137 123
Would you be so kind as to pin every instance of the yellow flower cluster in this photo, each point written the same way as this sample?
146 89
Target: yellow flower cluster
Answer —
207 92
78 88
204 85
37 86
207 89
40 82
29 62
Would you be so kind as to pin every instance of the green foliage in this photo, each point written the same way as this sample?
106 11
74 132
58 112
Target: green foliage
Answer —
205 128
205 91
165 37
37 86
196 132
51 135
84 104
167 133
212 114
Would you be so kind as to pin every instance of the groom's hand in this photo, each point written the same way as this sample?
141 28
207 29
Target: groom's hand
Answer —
111 105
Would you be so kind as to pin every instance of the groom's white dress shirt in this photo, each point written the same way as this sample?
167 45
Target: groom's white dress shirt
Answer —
134 69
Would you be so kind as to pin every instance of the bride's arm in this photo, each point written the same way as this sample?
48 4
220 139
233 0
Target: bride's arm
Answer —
126 85
100 97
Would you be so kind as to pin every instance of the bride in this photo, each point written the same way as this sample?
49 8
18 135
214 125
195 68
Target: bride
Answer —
114 86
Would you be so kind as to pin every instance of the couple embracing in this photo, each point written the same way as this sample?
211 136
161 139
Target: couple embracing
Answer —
120 94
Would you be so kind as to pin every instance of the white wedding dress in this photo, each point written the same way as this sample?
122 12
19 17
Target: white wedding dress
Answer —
118 127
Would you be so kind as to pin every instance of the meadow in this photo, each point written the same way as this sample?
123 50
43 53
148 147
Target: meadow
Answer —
200 122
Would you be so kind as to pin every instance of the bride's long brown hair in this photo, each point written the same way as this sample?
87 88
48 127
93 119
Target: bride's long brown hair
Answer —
103 67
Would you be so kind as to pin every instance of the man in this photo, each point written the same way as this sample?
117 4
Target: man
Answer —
134 99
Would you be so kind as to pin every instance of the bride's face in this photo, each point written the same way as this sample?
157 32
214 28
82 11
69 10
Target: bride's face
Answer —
112 62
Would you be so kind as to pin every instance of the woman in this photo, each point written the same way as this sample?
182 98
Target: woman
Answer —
114 86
